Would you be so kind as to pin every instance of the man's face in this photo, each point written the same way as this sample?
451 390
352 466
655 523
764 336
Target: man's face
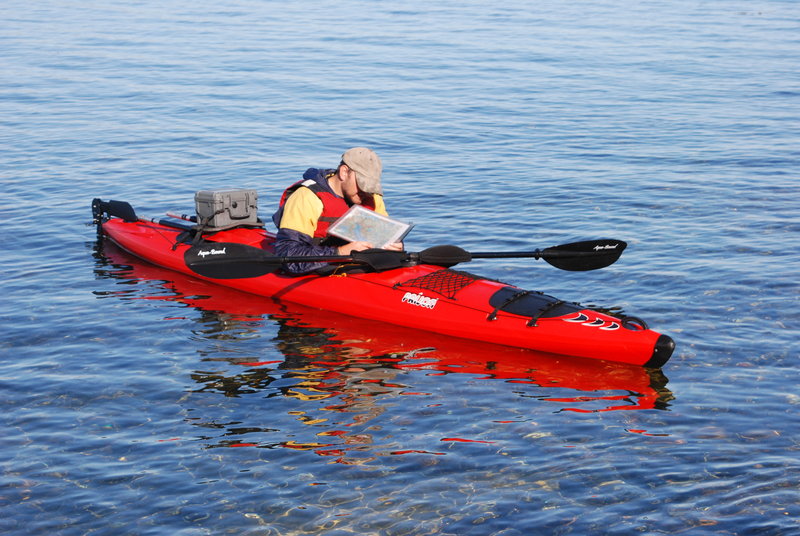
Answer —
350 186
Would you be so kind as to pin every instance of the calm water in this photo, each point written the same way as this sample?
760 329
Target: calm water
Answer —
135 401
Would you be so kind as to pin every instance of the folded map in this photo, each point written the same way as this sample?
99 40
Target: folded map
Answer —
362 224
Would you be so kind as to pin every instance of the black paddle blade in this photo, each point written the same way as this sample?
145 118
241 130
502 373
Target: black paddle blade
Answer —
584 256
443 256
227 260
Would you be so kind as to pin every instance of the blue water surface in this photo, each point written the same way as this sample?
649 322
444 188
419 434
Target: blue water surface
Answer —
136 401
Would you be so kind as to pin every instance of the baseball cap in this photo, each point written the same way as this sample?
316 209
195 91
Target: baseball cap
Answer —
367 166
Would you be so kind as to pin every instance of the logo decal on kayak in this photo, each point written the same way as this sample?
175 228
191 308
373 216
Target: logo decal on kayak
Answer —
203 254
582 319
420 299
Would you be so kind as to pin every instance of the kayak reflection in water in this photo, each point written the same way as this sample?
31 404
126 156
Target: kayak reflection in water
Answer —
311 205
351 388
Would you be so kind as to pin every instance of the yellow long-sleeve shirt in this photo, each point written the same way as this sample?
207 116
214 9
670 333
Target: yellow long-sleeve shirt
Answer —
303 209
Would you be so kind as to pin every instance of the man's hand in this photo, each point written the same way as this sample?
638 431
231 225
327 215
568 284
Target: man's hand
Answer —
350 247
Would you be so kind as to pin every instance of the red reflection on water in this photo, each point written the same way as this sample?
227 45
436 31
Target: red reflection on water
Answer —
462 440
627 398
644 432
257 363
413 451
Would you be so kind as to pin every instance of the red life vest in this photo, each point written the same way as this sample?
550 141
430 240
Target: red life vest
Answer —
333 206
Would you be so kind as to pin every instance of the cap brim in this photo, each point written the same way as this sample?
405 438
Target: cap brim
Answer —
369 185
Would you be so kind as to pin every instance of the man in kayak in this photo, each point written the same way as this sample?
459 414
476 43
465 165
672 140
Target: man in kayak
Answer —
310 206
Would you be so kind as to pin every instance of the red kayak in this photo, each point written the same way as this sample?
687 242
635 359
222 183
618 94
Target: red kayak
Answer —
339 345
411 290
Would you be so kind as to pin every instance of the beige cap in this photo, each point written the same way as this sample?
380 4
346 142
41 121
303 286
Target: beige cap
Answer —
368 168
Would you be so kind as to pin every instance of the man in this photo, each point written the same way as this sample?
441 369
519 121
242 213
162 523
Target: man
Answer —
310 206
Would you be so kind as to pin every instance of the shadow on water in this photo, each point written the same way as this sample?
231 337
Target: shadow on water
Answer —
352 367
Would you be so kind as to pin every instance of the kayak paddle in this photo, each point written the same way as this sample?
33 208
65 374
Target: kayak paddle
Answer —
230 260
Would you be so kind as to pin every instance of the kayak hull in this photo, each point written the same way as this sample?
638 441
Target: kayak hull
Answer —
423 297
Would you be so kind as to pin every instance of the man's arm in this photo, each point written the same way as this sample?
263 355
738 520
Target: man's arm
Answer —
289 243
298 224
